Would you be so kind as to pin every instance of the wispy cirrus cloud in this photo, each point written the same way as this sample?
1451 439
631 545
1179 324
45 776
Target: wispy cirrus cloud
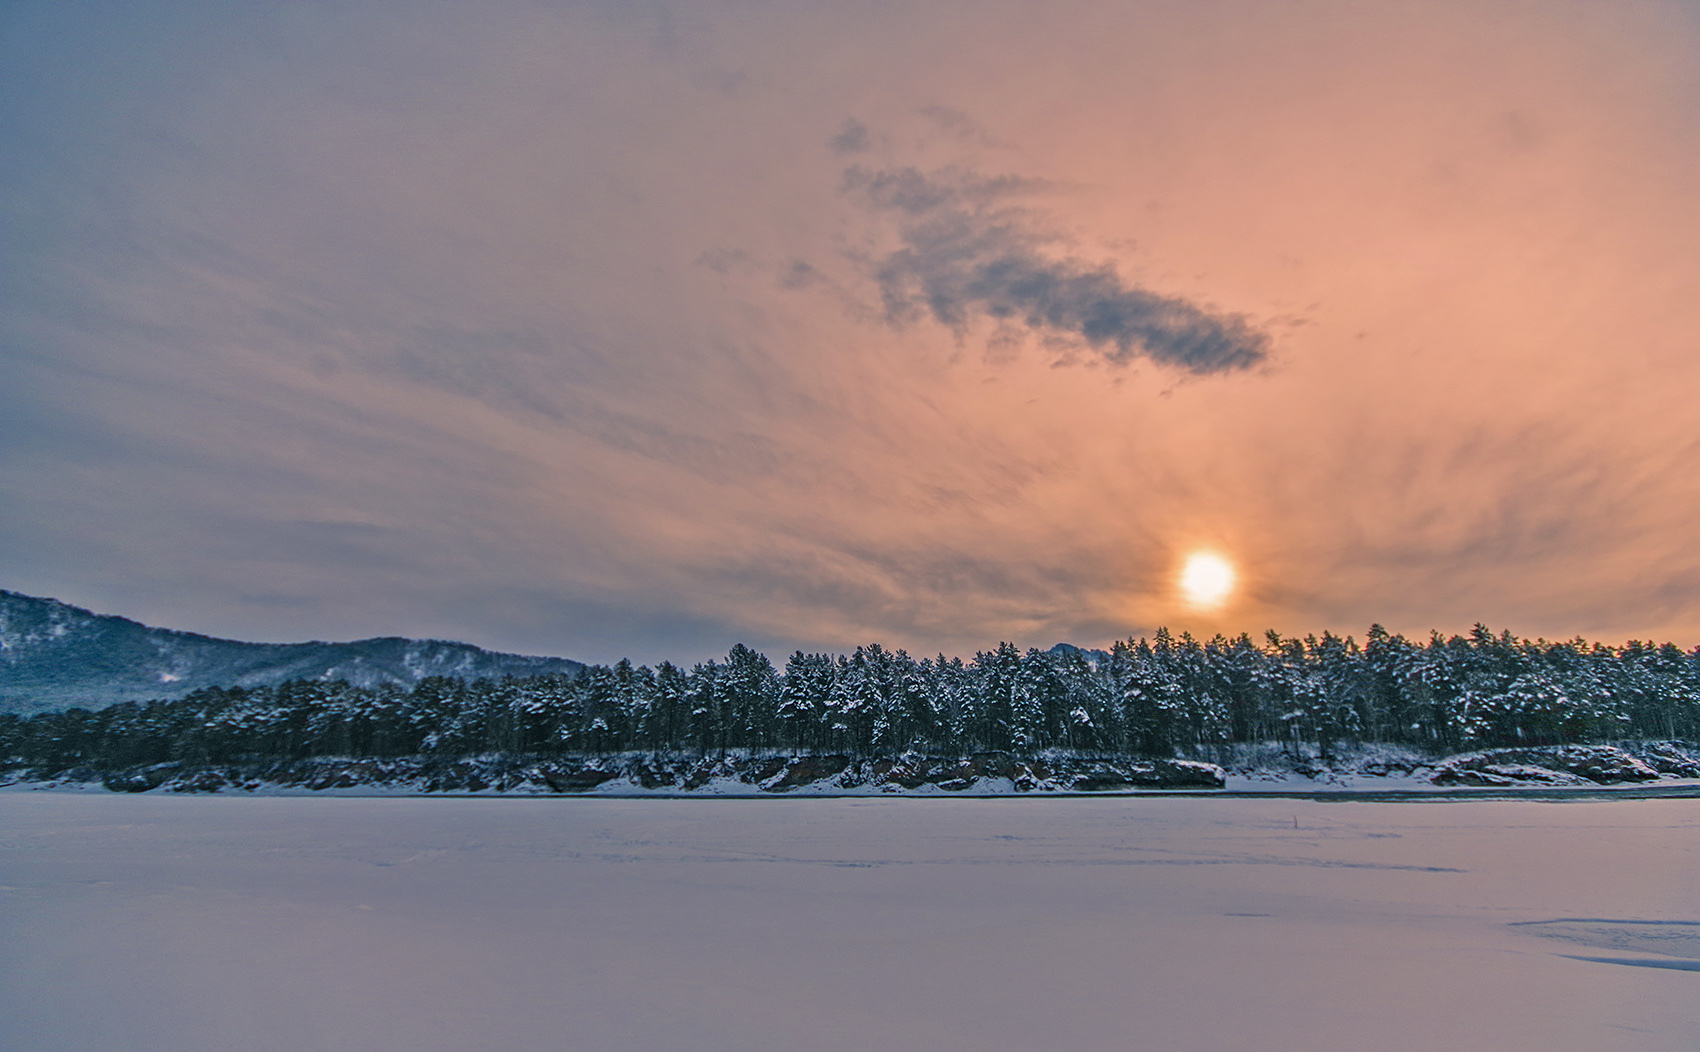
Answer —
535 325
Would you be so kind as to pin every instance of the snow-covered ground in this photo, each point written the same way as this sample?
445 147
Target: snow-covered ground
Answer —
232 923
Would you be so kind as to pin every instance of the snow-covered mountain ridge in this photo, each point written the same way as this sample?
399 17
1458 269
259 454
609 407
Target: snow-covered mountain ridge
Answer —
53 655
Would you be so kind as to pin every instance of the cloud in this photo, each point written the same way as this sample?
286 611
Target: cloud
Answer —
959 125
968 251
852 137
518 327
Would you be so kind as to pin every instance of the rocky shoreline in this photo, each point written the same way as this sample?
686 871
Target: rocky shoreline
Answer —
1568 765
644 774
1556 766
980 774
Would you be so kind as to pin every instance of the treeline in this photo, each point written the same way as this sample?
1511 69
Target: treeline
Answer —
1144 697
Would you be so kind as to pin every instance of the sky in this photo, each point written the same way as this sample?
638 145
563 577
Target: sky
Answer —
645 328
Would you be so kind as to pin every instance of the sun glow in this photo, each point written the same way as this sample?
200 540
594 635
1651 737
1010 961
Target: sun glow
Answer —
1206 580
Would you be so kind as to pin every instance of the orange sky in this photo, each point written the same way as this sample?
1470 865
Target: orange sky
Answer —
569 328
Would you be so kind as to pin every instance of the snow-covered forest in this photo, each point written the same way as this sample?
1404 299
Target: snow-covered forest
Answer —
1141 697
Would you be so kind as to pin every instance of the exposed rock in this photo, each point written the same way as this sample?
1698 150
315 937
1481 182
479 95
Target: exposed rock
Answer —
1471 776
853 776
1024 778
654 775
1672 759
1598 764
462 778
754 772
345 774
1031 775
705 771
1098 777
803 770
1176 774
1390 768
1507 774
1604 764
954 777
992 765
992 771
1181 774
577 778
202 781
140 779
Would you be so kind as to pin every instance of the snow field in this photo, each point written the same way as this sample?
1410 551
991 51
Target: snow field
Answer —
251 923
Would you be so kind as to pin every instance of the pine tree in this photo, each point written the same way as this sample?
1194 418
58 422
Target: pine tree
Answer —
803 694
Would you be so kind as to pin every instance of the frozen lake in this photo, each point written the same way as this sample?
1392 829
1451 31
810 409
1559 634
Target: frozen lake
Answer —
233 923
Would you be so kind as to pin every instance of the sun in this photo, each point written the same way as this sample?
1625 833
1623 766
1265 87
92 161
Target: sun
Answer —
1206 579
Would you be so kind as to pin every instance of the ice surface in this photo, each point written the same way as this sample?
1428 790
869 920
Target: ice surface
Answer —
287 923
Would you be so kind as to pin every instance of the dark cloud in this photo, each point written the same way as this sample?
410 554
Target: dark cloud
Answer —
959 125
968 251
724 260
852 137
798 274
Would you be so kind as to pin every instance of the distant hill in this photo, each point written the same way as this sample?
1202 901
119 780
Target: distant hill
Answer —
54 655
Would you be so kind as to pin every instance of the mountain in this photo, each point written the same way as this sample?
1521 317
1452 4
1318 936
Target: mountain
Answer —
54 655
